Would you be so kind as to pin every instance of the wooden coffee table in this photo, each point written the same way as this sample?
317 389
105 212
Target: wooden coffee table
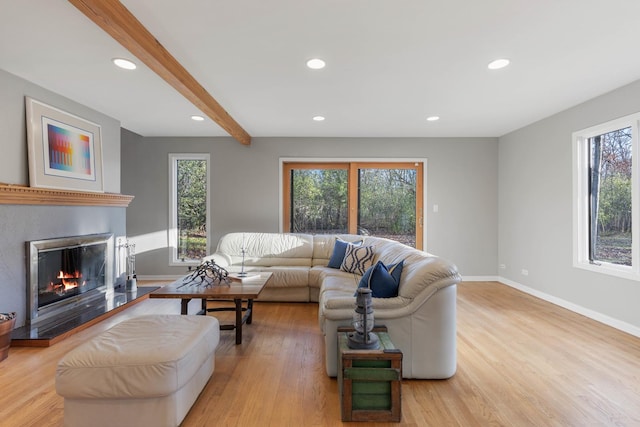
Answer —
237 291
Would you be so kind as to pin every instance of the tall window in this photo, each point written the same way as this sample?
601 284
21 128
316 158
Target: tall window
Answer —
606 187
189 205
379 199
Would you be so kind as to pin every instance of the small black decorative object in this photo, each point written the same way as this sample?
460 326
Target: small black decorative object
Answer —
208 273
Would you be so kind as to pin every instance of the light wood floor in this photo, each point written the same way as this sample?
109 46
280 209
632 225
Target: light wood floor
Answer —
521 362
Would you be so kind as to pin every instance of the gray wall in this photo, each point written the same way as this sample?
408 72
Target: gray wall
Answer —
21 223
461 180
14 168
501 201
535 209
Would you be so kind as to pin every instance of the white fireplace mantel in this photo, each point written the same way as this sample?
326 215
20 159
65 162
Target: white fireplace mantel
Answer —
21 195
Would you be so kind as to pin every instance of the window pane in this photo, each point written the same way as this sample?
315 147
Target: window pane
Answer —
191 200
610 197
319 201
387 204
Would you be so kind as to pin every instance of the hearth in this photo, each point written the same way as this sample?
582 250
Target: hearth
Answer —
66 273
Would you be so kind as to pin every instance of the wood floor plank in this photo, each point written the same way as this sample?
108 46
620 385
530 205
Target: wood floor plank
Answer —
521 362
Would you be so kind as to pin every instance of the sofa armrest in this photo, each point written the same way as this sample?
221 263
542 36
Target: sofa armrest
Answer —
336 303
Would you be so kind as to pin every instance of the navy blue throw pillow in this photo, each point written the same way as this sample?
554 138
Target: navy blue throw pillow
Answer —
339 249
383 280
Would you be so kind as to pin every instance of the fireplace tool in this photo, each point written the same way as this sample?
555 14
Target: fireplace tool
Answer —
130 267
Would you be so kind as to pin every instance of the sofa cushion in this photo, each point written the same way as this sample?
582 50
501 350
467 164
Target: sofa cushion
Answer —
357 259
265 249
319 275
287 277
340 280
339 250
382 280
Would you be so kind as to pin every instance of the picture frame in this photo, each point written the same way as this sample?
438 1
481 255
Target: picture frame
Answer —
64 150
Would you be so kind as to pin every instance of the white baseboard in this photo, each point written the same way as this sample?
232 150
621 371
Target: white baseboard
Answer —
480 278
591 314
160 277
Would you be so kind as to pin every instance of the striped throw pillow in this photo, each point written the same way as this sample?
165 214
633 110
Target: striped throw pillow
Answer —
357 259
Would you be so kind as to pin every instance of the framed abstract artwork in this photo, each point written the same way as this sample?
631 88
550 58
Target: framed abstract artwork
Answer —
64 150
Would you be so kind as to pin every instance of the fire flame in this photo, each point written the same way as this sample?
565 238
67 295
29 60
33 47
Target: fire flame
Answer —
67 281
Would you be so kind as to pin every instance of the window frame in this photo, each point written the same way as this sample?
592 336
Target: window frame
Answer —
352 165
581 205
172 232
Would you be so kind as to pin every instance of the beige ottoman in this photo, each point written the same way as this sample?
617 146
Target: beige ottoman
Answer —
145 371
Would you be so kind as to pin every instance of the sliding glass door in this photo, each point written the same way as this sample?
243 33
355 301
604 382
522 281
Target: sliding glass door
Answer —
378 199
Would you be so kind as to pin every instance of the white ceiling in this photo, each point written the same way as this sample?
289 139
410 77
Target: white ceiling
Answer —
390 63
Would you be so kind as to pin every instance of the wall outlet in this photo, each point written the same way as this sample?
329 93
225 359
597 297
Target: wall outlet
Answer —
525 272
502 267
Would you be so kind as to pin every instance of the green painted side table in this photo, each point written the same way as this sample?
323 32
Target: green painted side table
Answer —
370 381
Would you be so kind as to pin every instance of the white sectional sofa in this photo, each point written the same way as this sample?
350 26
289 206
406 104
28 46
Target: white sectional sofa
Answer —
421 319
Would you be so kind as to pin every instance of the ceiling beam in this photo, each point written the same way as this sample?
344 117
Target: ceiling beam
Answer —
117 21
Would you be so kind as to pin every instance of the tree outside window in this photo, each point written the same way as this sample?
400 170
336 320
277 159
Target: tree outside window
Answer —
610 196
189 207
606 203
368 198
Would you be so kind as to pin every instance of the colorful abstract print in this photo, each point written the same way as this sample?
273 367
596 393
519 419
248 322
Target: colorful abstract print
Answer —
69 151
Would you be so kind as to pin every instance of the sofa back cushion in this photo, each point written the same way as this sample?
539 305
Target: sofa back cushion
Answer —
268 249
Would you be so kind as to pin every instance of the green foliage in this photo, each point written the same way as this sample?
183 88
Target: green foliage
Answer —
192 208
192 247
319 200
611 165
614 185
614 213
192 194
386 201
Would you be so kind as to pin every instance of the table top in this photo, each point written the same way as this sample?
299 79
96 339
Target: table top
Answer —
247 288
386 346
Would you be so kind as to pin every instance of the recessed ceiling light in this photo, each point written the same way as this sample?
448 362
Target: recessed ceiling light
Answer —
498 63
197 118
316 63
433 118
318 118
124 63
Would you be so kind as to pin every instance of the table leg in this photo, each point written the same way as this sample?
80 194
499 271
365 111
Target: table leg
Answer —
238 320
184 305
249 311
